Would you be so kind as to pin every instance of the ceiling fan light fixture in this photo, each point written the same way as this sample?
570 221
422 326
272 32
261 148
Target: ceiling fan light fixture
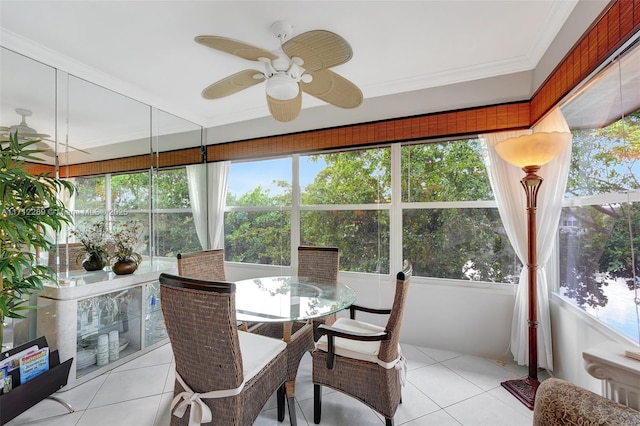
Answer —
282 87
23 130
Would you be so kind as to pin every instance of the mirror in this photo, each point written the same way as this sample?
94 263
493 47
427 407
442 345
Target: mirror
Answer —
28 97
86 127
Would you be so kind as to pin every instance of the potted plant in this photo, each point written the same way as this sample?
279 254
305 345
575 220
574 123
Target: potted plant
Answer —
30 206
93 238
127 237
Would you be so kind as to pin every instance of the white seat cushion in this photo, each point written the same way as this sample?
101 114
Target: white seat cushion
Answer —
364 351
257 351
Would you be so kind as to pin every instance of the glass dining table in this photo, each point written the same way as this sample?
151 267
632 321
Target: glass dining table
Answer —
289 300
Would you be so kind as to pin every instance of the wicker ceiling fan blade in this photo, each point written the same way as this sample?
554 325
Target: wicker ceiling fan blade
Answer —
285 110
46 149
334 89
235 47
233 84
319 49
24 136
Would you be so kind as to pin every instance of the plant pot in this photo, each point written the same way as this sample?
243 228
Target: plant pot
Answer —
124 267
93 263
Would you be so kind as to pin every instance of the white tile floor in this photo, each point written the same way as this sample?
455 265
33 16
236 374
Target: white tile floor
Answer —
443 388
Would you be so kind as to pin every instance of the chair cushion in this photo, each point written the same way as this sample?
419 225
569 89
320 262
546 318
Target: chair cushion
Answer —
257 351
356 349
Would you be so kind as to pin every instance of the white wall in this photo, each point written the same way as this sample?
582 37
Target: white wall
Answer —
469 318
575 331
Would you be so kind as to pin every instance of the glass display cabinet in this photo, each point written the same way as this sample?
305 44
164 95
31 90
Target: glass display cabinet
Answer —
103 320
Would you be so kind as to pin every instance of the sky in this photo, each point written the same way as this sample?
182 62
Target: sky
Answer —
621 312
244 177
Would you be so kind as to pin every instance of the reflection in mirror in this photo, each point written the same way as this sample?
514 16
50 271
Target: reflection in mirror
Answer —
28 101
27 105
173 229
97 125
103 124
600 224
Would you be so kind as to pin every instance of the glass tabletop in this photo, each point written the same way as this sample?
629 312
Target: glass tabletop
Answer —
289 298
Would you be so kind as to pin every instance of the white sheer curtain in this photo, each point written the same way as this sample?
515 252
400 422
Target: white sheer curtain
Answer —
218 178
197 179
207 193
511 200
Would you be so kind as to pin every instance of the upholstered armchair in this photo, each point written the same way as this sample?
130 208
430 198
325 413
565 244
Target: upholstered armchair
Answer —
560 403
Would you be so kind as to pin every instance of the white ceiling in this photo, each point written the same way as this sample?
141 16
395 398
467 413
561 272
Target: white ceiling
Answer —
410 57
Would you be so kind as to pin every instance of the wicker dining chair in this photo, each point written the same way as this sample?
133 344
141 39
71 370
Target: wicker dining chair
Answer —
321 264
203 264
363 360
59 254
223 375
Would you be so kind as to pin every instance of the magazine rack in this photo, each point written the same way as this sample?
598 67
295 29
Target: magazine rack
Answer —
22 397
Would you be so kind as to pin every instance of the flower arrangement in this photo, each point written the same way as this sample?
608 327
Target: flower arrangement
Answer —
128 239
93 238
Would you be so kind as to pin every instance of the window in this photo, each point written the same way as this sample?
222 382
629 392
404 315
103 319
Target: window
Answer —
451 227
257 222
601 224
450 224
600 236
344 203
173 228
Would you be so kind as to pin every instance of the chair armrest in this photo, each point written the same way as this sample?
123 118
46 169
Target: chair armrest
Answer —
354 308
560 403
333 332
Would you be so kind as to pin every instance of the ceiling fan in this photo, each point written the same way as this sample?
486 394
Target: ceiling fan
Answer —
300 64
27 133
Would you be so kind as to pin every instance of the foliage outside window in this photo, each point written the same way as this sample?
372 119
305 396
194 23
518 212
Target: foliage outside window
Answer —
90 204
130 191
451 227
601 221
257 222
128 200
449 171
362 236
345 200
173 228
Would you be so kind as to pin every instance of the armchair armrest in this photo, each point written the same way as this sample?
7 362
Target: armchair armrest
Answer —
333 332
354 308
560 403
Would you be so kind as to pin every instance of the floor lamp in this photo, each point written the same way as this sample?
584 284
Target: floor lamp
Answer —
529 152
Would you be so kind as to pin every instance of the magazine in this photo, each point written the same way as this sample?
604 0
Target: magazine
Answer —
13 361
34 364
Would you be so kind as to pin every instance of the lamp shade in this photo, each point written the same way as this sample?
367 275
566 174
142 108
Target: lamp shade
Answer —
535 149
